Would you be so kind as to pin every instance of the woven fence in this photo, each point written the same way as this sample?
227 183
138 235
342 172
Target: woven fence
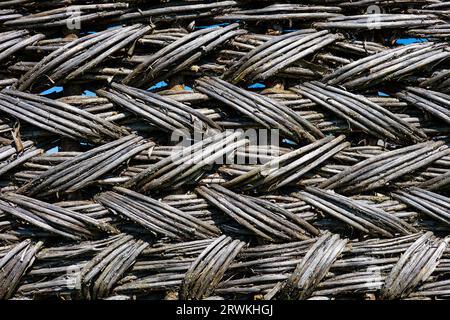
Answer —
249 150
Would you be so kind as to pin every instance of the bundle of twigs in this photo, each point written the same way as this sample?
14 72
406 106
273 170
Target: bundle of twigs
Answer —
14 265
432 102
289 167
180 54
175 11
156 216
379 170
12 157
264 218
361 112
278 53
63 16
184 166
439 80
427 202
58 117
435 31
262 110
14 41
388 65
81 170
161 111
54 219
81 55
378 21
364 218
224 149
282 11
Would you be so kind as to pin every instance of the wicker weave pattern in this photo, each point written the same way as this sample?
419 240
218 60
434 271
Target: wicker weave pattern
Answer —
350 201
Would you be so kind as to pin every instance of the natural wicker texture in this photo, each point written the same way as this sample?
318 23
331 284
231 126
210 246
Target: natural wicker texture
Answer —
99 200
